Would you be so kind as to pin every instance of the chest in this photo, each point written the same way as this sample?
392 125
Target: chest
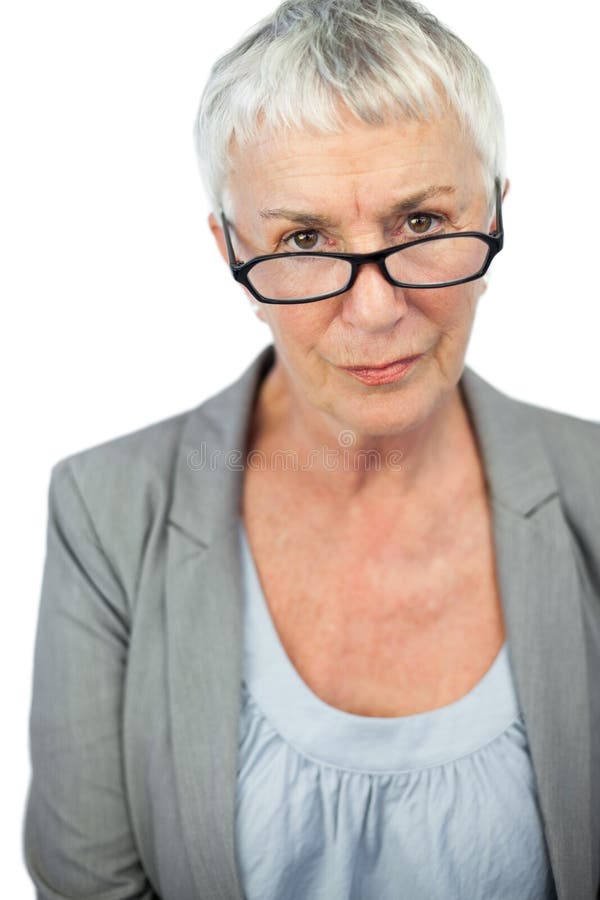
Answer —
376 622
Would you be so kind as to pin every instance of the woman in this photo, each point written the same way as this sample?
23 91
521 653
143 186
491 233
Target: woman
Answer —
334 632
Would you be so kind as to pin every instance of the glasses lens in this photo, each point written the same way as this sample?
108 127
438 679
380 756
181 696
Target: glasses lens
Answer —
438 262
299 277
423 264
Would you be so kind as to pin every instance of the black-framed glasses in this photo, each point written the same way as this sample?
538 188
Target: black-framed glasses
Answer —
441 260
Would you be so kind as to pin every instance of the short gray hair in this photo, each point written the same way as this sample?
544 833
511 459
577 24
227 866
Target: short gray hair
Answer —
385 59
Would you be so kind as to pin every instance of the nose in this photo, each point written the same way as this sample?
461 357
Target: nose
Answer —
372 303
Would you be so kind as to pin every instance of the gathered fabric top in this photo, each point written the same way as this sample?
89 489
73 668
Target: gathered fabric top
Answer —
440 804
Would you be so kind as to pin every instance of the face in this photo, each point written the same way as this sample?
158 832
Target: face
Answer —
351 183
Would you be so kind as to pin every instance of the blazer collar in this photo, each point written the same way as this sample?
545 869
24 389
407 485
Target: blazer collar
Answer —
518 471
208 477
540 589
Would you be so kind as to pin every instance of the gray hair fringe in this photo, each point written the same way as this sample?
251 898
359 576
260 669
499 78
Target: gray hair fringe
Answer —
385 59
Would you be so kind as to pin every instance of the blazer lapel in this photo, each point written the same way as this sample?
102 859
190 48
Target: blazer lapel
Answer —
540 587
204 607
542 602
204 619
204 637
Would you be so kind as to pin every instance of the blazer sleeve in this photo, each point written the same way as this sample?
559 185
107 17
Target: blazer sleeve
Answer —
78 840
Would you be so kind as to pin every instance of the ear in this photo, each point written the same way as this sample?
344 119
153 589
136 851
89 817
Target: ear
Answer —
506 189
219 236
257 308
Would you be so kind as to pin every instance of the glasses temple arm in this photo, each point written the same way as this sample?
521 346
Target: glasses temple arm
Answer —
230 251
499 230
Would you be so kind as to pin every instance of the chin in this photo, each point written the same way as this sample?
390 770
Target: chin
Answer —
382 411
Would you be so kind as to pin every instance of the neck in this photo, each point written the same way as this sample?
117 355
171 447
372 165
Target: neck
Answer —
434 455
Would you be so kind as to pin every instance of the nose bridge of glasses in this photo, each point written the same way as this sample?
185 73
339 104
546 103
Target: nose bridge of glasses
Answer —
378 259
374 263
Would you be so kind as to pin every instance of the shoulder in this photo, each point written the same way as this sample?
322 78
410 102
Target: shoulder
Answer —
562 431
117 494
117 471
144 460
571 443
538 441
125 485
128 458
113 498
566 438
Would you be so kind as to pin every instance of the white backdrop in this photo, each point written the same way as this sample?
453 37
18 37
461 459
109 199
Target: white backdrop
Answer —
117 310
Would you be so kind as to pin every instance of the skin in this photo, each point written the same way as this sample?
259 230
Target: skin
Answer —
416 536
353 178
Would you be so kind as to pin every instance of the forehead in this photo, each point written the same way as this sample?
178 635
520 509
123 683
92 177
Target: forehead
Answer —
354 169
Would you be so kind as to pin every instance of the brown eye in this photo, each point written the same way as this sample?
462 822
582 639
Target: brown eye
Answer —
305 240
420 223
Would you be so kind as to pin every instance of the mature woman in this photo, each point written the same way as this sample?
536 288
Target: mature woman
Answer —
336 631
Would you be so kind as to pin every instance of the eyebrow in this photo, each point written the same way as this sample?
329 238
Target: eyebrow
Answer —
314 220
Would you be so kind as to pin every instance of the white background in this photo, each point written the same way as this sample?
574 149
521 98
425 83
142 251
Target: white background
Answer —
117 310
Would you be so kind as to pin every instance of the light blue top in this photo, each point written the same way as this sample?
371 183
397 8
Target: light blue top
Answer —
336 806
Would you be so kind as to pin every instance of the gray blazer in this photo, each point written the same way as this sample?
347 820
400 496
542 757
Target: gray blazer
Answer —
136 691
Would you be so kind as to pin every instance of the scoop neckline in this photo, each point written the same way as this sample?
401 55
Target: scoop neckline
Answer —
333 735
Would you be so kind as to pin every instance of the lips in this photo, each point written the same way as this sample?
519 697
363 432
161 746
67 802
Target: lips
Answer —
386 374
379 366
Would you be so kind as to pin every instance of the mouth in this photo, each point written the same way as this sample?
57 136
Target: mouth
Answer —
382 374
379 366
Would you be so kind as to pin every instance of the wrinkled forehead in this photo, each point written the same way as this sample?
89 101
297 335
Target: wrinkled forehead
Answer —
355 168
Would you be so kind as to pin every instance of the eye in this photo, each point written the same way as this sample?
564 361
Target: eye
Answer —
302 240
421 223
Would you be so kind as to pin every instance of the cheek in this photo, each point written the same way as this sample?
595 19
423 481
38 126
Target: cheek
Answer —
451 308
299 325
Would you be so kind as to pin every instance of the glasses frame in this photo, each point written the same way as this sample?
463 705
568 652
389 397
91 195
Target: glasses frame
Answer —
494 240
